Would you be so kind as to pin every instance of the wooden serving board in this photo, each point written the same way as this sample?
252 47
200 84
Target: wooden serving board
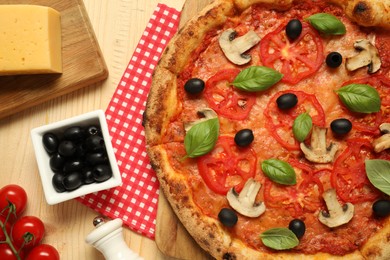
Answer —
83 62
171 237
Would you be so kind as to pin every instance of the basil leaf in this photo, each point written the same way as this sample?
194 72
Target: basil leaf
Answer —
256 78
378 172
201 138
302 126
327 23
279 238
360 98
279 171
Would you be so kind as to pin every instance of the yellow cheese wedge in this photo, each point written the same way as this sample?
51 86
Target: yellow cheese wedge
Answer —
30 40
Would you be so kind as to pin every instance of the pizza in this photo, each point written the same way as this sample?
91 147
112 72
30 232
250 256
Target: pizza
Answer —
268 126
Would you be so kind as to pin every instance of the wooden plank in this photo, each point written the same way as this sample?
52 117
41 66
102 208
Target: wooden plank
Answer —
172 239
83 62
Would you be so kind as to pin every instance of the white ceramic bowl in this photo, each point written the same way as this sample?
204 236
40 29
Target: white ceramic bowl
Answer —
92 118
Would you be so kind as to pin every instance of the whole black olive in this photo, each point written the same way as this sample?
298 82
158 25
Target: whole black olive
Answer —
287 101
72 181
57 182
80 158
228 217
93 130
81 150
334 59
293 29
341 126
57 162
102 172
95 143
96 158
67 148
381 208
74 133
194 86
50 142
74 165
87 175
244 137
298 227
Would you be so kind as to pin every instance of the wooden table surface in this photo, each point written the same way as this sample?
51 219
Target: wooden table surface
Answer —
118 26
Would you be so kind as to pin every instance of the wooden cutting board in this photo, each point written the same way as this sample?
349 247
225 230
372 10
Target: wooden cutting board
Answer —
83 62
171 237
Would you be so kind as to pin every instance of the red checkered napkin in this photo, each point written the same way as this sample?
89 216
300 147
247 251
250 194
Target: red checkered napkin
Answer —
135 202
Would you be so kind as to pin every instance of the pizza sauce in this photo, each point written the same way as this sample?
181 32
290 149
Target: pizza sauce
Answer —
307 76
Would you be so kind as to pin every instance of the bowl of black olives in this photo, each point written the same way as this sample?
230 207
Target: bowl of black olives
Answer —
75 157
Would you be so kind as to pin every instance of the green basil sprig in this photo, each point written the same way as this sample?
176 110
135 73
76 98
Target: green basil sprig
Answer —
378 172
257 78
302 126
201 138
360 98
279 171
279 238
327 24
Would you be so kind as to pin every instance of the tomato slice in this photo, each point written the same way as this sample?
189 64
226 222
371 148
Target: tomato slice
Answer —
226 100
349 176
382 43
227 166
297 59
305 196
279 122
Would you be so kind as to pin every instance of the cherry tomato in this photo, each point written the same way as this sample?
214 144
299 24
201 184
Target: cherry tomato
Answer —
226 100
305 196
43 252
28 230
280 122
16 195
349 176
228 165
7 254
297 59
7 228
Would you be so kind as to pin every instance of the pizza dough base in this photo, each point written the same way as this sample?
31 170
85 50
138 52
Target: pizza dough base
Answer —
162 105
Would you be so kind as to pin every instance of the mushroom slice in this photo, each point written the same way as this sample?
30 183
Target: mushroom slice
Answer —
205 114
383 142
317 151
244 203
235 48
385 128
337 215
368 56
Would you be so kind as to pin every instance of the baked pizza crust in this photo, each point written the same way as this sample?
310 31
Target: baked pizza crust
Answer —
367 12
190 36
363 12
162 105
378 246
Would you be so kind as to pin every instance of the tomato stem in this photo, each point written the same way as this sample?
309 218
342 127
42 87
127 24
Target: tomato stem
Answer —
8 240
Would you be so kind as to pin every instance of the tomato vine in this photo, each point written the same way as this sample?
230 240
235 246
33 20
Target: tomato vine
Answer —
10 209
20 236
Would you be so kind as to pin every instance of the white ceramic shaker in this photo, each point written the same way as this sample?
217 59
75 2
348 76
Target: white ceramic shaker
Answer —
108 239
